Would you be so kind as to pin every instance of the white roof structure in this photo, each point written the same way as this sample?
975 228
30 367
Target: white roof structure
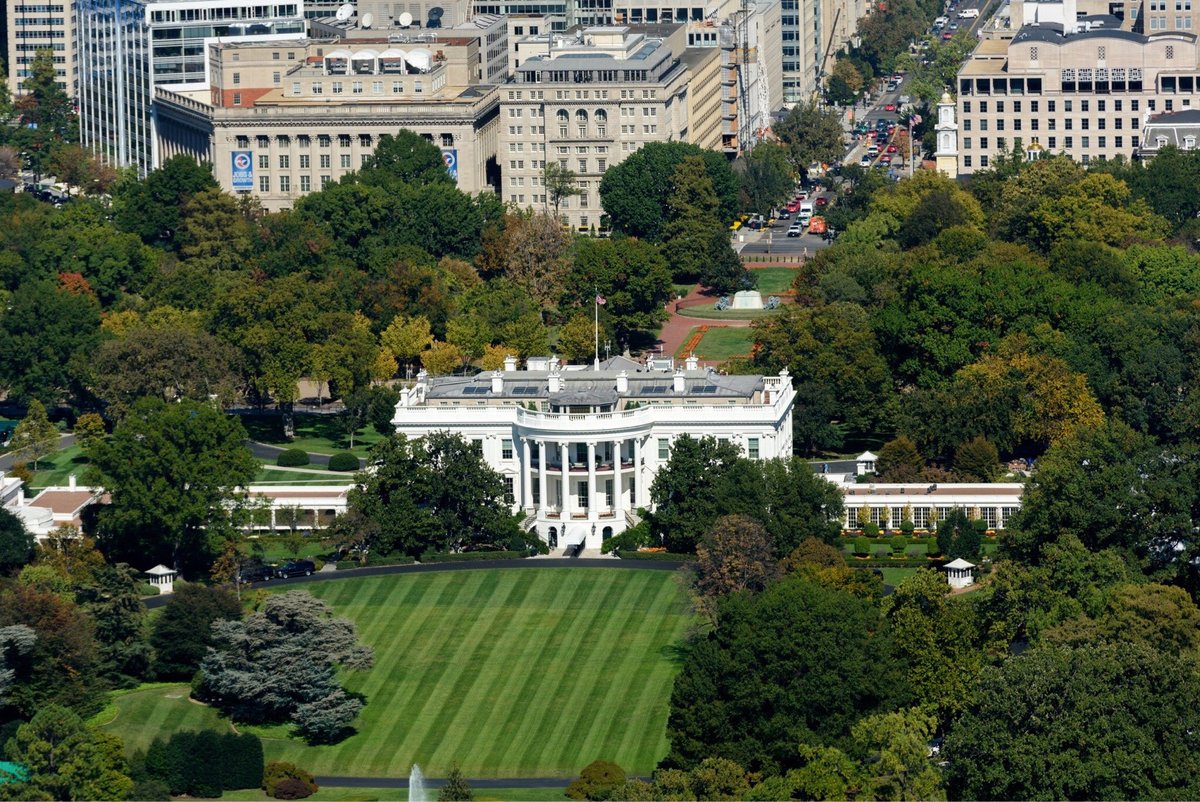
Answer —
960 563
161 570
866 456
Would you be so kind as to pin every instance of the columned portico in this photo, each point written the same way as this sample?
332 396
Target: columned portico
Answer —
590 509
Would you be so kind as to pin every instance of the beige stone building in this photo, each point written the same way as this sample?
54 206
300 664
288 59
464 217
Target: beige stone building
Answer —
1085 90
280 139
35 25
588 99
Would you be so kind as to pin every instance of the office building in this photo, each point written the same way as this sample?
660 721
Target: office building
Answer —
579 448
277 128
33 25
127 48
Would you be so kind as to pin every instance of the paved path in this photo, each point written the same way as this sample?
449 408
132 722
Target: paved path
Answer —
64 441
528 564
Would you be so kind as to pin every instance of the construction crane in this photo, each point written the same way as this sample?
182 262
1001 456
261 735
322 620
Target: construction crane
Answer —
825 59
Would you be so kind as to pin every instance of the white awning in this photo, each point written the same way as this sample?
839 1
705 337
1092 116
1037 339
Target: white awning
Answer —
574 536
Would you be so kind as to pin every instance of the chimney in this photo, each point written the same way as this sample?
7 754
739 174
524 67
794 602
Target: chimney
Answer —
555 380
510 363
680 385
71 482
497 382
622 383
422 377
692 363
554 364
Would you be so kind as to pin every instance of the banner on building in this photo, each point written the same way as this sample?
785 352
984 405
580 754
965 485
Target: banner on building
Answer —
450 157
243 170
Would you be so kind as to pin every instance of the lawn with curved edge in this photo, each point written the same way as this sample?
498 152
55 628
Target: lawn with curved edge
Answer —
509 673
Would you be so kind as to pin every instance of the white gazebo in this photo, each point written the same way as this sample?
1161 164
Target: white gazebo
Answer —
865 463
960 573
162 578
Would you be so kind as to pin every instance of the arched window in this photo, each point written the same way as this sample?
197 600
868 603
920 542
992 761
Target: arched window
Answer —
601 117
553 537
581 121
563 117
607 532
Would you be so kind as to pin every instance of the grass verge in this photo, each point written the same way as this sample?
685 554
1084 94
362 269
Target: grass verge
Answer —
719 344
774 280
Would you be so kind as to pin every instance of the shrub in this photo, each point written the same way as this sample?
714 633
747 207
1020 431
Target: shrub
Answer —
862 546
280 771
343 461
662 556
882 553
899 544
871 530
151 791
289 788
292 458
205 763
597 781
906 528
914 552
468 556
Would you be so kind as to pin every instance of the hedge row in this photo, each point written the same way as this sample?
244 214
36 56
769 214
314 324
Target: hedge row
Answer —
907 563
471 556
665 556
203 763
372 560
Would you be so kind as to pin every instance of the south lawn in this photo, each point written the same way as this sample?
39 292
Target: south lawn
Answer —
509 673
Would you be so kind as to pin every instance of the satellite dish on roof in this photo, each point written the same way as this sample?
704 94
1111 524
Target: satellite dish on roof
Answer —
406 20
367 20
344 12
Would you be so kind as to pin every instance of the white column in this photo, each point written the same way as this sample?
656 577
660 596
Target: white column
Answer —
526 475
591 499
566 485
618 496
637 472
543 456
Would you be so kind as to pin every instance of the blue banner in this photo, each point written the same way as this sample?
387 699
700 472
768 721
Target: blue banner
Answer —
243 170
450 157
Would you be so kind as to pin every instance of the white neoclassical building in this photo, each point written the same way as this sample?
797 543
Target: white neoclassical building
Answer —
578 447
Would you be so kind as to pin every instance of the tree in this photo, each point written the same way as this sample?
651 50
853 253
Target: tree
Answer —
61 668
634 192
736 554
765 175
1097 722
71 555
171 471
46 112
441 359
153 208
684 491
166 363
958 536
897 746
407 338
48 332
182 633
633 278
455 788
216 232
694 239
280 664
560 183
67 759
797 504
435 493
16 543
470 335
89 430
811 134
716 778
597 781
405 157
15 642
78 167
355 411
978 460
116 607
797 663
576 339
35 436
899 461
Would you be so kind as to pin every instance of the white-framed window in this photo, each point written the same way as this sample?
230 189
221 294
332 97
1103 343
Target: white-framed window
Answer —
664 448
752 447
581 489
509 496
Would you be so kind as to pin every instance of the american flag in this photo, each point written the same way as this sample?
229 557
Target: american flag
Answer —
600 300
915 120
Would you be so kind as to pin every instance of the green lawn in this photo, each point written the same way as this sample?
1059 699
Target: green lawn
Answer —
774 280
509 673
894 576
275 549
314 433
722 343
57 468
141 716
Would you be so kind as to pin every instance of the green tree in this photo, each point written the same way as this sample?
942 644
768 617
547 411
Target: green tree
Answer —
435 493
48 334
716 778
597 781
215 231
441 359
15 642
765 175
280 665
632 277
798 504
561 184
171 470
35 436
897 747
153 208
116 608
182 633
764 679
736 554
634 192
684 491
978 460
959 536
16 543
46 110
455 788
68 759
407 338
89 430
899 460
695 241
576 340
811 134
1051 723
405 157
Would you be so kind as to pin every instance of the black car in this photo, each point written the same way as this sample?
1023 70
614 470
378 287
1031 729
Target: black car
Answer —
296 568
256 573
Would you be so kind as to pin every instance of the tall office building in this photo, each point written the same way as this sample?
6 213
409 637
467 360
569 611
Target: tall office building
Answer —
128 47
33 25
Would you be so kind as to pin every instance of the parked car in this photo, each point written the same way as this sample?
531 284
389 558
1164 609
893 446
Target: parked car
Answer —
865 161
795 230
947 36
891 148
885 159
890 107
296 568
783 214
822 201
255 573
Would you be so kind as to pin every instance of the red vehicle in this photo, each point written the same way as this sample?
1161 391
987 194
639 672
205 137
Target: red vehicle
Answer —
891 149
947 36
816 225
885 159
822 201
793 207
890 107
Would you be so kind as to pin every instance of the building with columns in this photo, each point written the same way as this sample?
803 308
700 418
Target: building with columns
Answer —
579 447
947 137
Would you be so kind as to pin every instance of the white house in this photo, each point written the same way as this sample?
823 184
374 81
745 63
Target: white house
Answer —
578 447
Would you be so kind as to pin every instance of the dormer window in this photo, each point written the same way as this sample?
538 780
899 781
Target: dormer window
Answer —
1189 142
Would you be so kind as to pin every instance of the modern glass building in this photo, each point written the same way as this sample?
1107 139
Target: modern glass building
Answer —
129 47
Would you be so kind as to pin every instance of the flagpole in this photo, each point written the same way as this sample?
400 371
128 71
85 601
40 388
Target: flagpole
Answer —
596 327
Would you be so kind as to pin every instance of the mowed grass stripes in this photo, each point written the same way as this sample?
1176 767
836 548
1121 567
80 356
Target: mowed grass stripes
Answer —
512 673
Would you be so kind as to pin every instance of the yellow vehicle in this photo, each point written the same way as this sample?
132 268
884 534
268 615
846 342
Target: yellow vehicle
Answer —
736 225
